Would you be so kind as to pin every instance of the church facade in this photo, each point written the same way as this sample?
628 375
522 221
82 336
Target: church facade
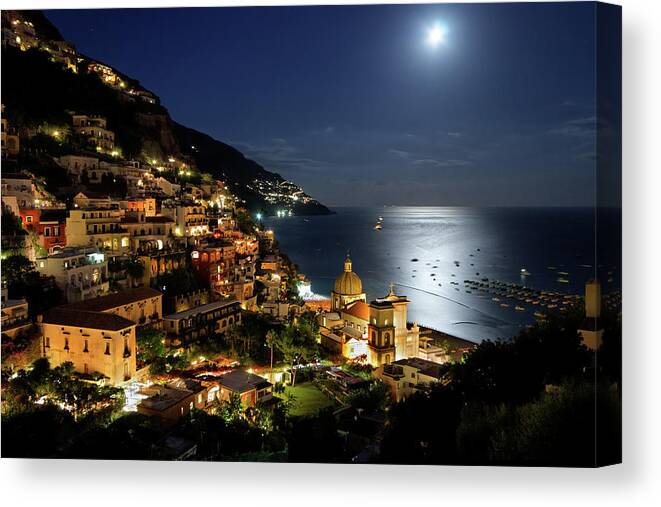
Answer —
378 330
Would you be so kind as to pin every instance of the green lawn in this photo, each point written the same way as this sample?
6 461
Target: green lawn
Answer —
309 399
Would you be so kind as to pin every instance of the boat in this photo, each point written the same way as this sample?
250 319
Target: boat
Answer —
519 308
539 315
378 226
524 272
563 280
504 305
495 299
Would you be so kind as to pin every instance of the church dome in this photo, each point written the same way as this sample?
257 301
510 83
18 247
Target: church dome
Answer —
348 283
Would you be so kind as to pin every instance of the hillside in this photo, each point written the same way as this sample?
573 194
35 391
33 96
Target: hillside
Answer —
40 93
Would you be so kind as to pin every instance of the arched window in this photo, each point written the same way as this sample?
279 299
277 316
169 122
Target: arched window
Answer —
387 337
373 336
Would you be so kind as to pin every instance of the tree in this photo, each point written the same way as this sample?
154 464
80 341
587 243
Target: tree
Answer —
41 292
293 353
150 344
373 398
16 268
230 410
135 269
176 283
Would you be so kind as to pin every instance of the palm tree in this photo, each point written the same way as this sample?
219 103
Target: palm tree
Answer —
270 341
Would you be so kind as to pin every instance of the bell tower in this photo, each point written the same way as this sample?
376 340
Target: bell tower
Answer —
381 333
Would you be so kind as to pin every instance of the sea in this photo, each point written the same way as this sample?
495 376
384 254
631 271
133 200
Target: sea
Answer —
435 256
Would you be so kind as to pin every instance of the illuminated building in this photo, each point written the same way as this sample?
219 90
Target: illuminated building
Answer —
174 400
406 376
142 305
88 199
80 273
250 387
148 232
348 288
19 186
98 227
49 225
146 205
158 262
95 342
10 141
190 218
94 128
378 330
201 320
167 187
213 262
77 165
15 320
591 330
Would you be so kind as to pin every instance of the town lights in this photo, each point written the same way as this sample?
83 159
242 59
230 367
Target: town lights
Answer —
259 216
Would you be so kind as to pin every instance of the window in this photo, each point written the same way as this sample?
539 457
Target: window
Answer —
47 342
46 232
66 343
86 348
107 352
29 219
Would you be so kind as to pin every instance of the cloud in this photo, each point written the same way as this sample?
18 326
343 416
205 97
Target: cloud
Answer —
398 153
454 134
280 155
430 162
579 127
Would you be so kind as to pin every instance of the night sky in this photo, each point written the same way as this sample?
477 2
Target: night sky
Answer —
353 103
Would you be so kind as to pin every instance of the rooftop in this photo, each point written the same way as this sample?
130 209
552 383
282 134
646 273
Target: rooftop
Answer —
429 368
104 303
241 381
62 316
94 195
15 176
209 307
358 309
454 342
166 397
72 251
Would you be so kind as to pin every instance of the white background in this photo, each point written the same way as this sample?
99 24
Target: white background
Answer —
636 482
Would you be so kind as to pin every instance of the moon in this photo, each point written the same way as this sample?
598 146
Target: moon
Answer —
435 36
